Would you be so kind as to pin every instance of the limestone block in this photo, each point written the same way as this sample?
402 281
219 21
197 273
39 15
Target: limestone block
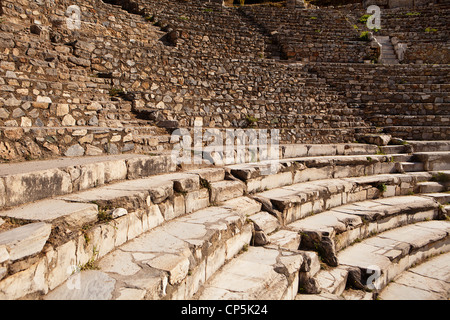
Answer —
226 190
177 266
63 266
74 214
25 240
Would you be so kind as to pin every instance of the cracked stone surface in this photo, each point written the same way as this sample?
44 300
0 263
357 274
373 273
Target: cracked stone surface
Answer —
259 273
427 281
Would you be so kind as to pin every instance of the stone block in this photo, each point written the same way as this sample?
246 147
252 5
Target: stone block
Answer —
25 240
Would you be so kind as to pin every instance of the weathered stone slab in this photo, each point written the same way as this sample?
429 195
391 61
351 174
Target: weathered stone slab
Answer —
28 187
285 239
87 285
253 275
394 251
196 200
210 174
226 190
75 214
333 281
265 222
122 194
434 161
148 166
245 206
177 266
376 139
25 240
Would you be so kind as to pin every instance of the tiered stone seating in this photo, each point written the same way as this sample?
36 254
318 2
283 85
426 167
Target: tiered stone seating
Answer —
56 98
103 66
421 29
408 102
312 35
136 231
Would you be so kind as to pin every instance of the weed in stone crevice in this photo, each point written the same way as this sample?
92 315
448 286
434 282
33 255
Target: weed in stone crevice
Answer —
382 187
364 36
91 265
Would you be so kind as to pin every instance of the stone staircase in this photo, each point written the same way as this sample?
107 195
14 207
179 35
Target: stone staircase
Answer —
135 227
387 55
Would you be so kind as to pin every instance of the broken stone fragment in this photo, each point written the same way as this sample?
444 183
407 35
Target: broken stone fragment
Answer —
25 240
119 212
377 139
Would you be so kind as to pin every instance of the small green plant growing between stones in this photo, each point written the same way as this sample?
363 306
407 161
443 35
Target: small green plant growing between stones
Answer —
363 19
251 120
380 151
441 177
244 248
90 265
114 92
103 215
364 36
430 30
382 187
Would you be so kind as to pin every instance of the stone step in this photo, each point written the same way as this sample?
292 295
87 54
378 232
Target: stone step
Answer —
333 230
429 187
434 161
409 132
268 175
429 146
226 190
170 262
300 200
382 258
21 183
285 239
257 274
289 151
428 281
23 241
332 281
308 150
125 210
348 294
395 149
412 166
442 198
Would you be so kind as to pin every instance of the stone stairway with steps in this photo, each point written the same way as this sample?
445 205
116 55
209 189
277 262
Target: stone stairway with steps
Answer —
387 54
131 227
